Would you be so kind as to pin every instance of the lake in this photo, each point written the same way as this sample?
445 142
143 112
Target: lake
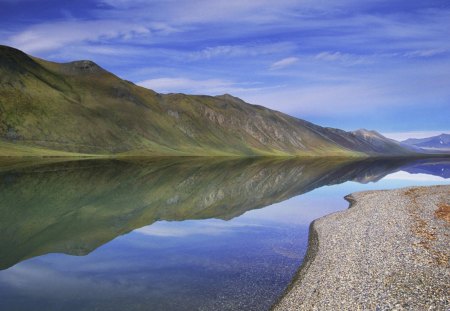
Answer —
172 234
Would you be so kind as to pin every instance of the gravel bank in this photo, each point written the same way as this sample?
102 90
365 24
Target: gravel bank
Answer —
389 251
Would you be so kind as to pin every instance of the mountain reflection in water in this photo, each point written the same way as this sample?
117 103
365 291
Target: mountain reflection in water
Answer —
75 207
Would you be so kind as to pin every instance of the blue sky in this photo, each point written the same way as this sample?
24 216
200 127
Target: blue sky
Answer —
379 64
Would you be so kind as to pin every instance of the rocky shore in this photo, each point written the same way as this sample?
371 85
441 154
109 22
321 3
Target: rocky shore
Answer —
389 251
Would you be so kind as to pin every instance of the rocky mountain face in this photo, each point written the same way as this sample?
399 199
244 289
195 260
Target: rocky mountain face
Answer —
50 108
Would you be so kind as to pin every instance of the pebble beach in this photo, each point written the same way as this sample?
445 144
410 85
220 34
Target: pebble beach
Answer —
389 251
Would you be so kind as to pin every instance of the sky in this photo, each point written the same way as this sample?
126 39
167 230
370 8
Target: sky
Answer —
375 64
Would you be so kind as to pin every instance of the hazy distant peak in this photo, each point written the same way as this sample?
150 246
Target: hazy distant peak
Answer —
441 136
441 141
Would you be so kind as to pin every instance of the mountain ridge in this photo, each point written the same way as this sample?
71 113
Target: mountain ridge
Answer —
79 108
439 142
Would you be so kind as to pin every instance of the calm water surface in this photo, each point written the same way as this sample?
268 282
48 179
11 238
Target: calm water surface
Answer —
172 234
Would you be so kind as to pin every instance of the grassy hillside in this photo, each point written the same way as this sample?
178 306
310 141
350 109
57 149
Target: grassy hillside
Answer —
79 107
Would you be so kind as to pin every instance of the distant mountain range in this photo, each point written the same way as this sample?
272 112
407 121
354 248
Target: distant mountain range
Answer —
440 142
78 108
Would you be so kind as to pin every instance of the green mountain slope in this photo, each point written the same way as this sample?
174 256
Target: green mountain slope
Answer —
80 108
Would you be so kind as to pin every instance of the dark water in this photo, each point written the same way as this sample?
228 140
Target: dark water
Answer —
172 234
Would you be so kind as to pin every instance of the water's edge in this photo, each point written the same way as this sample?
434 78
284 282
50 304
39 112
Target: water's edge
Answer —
311 254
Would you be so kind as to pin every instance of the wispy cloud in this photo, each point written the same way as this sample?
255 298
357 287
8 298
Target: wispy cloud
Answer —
187 228
344 58
333 99
204 11
283 63
426 53
51 36
248 50
192 86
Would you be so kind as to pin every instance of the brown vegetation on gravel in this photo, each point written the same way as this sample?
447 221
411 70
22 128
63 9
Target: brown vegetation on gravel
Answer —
424 231
443 212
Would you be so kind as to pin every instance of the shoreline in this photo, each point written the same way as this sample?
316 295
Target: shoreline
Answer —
388 250
311 253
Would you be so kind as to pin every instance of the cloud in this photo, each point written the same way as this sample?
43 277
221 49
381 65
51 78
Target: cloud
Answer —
242 50
123 4
344 58
283 63
205 11
191 86
52 36
187 228
47 277
323 100
414 177
426 53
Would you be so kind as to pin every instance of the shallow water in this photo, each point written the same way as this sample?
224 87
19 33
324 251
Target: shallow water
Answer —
183 234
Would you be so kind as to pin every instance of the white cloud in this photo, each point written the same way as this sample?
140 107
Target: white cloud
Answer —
323 100
414 177
283 63
191 86
400 136
187 228
344 58
51 36
122 4
219 11
426 53
242 50
205 11
43 277
320 89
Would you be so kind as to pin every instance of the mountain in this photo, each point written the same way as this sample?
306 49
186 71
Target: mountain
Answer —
438 167
440 142
78 108
73 207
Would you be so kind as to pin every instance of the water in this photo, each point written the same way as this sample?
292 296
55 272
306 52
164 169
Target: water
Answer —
180 234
